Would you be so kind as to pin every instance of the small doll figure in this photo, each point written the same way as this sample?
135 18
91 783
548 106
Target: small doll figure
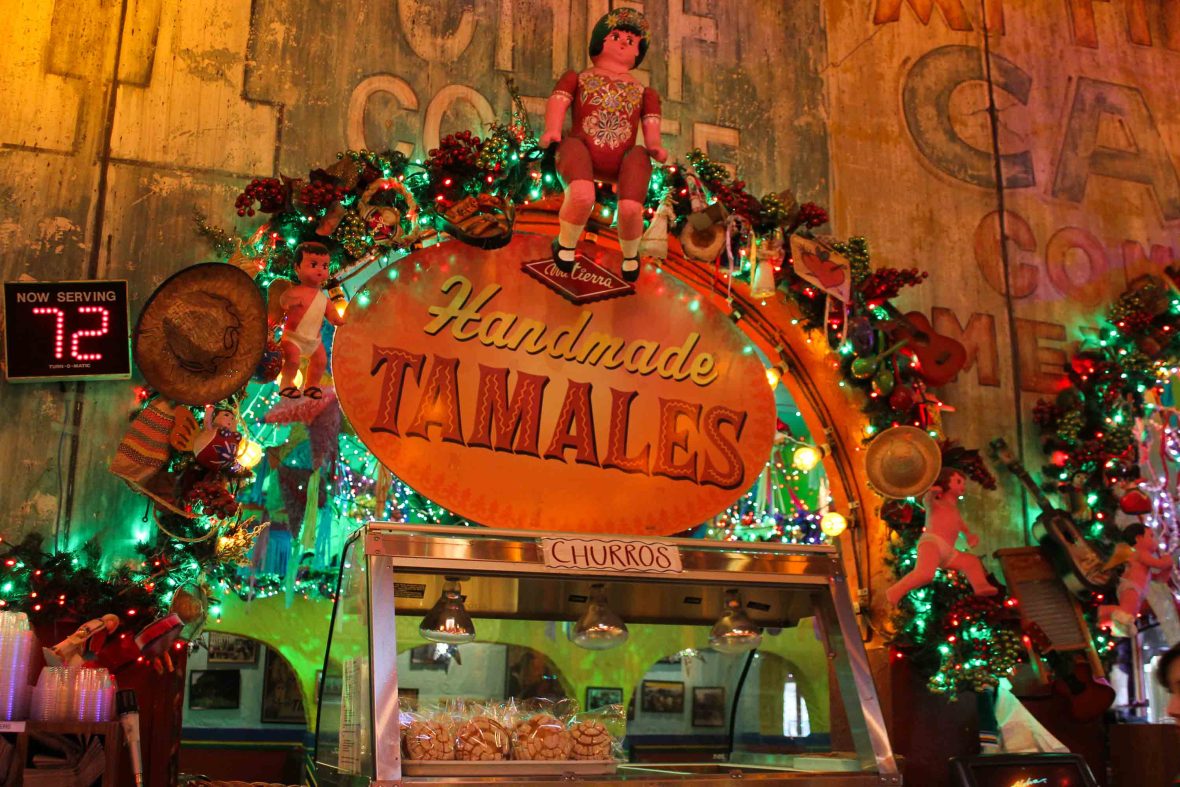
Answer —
1140 555
304 307
936 547
609 106
216 445
214 442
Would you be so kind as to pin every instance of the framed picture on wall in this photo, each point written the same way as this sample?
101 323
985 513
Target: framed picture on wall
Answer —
600 697
662 696
214 689
282 702
708 706
229 649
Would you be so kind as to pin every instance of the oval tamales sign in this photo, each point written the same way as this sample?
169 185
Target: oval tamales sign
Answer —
496 397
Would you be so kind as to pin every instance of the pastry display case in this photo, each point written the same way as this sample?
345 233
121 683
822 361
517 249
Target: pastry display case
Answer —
463 655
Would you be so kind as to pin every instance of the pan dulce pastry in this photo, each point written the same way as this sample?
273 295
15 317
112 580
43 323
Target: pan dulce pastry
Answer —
542 737
429 740
591 741
482 738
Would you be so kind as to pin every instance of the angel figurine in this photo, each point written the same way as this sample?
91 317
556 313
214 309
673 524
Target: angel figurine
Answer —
1140 553
303 307
936 547
609 107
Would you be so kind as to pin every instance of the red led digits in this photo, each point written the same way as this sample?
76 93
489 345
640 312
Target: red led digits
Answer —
77 336
60 332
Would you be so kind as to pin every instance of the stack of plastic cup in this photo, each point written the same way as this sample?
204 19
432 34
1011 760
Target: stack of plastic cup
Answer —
17 646
73 694
94 691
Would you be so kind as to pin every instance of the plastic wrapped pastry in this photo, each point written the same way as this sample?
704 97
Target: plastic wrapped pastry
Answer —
591 741
482 738
541 737
429 740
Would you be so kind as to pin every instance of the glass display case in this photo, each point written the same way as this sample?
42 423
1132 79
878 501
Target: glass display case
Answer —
717 660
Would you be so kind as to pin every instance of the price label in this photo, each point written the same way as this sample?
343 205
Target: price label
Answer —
76 330
12 726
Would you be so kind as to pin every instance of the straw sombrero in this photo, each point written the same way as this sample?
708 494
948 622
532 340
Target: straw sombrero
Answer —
201 334
902 461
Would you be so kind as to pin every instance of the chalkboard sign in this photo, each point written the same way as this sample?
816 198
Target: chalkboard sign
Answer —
1023 770
66 330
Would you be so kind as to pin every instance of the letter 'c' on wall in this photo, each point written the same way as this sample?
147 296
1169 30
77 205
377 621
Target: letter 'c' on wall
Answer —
926 103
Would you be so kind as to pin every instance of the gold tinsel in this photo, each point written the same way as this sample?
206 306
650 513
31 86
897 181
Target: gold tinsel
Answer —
236 541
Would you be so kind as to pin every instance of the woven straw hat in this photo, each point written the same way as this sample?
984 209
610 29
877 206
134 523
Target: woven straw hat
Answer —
903 461
201 334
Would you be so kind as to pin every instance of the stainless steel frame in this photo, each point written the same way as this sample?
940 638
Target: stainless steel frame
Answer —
390 548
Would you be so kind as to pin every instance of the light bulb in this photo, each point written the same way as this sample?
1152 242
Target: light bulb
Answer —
806 457
833 524
773 376
733 632
599 628
249 453
448 621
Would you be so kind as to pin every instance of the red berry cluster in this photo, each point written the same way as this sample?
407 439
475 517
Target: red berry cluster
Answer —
456 152
885 283
321 194
968 462
213 497
267 192
812 215
735 198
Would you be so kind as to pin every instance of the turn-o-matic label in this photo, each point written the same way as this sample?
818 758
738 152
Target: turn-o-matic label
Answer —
494 397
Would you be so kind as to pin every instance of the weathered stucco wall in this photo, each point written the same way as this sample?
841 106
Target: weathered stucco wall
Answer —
1084 190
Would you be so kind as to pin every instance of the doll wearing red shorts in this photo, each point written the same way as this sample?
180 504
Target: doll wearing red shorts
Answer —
609 108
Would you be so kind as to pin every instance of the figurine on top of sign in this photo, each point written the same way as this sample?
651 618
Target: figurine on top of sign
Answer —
609 106
302 307
936 547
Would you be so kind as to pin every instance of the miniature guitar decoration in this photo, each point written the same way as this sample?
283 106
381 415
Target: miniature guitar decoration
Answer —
1085 561
939 357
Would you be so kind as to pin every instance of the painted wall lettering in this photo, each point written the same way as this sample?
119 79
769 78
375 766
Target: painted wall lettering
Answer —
978 336
1141 158
926 102
1042 367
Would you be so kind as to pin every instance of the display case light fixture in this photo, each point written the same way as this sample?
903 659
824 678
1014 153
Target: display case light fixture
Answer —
448 621
600 627
734 632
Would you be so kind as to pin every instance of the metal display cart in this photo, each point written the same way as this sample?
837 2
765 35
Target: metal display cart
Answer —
516 583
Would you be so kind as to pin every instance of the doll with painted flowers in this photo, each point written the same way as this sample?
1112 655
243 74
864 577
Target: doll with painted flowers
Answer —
609 107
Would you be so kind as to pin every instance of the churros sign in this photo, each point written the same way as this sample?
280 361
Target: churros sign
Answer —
515 408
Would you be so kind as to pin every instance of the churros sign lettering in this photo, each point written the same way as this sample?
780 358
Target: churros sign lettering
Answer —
492 396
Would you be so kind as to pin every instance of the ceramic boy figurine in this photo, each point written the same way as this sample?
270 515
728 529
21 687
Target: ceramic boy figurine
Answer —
1132 586
609 106
936 547
304 307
